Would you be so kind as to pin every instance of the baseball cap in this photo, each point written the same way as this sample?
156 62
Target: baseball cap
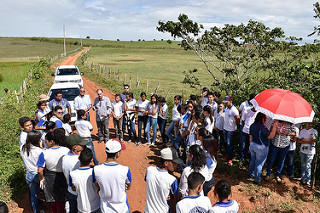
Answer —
114 146
170 154
43 97
227 98
75 139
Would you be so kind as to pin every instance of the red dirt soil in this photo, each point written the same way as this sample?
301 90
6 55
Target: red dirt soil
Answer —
139 158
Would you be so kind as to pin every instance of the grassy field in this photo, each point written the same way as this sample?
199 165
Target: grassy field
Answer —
155 61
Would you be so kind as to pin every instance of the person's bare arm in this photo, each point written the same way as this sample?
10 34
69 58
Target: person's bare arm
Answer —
273 130
40 172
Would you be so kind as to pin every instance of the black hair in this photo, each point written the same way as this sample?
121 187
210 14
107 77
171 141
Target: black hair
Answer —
208 109
66 118
198 157
39 104
56 108
251 96
161 99
50 125
217 94
197 115
193 97
111 155
99 90
205 89
130 94
222 189
203 132
143 93
210 144
3 207
198 108
178 97
154 95
126 85
80 113
49 136
220 102
259 118
33 138
23 120
49 115
86 156
117 95
57 92
195 179
59 137
210 93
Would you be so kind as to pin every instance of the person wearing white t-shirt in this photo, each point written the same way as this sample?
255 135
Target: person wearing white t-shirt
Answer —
70 162
66 126
204 98
142 109
82 182
30 153
223 191
194 202
26 126
162 119
117 114
192 129
292 151
129 108
307 139
218 124
113 180
175 119
209 119
83 101
57 116
153 109
197 160
84 129
211 102
161 184
230 126
52 181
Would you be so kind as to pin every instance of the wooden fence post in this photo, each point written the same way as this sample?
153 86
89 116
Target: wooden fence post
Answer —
15 92
167 93
156 90
147 86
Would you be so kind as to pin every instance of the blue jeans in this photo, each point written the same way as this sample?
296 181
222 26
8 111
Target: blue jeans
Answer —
151 122
73 206
91 146
281 153
162 127
171 128
306 163
132 130
228 137
290 157
259 155
33 182
142 120
244 145
207 186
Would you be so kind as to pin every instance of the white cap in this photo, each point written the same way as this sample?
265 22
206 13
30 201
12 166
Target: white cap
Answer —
113 146
170 154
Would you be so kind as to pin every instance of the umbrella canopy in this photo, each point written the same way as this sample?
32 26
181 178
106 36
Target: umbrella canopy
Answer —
280 104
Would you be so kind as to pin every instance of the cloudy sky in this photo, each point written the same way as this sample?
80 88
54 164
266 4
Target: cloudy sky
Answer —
134 19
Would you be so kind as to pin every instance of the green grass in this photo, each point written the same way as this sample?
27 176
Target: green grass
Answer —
23 49
155 61
13 74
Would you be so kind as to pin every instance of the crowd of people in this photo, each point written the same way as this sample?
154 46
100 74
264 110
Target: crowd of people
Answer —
60 158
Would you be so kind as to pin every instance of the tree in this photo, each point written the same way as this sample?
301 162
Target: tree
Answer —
240 58
88 37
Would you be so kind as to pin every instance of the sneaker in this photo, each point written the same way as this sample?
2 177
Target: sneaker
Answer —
230 163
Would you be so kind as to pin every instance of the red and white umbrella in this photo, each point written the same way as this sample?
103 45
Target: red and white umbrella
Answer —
280 104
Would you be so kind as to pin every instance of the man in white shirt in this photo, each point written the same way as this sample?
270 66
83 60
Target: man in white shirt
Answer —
83 102
231 120
161 184
113 180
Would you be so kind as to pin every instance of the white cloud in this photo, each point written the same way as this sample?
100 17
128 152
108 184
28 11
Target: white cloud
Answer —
133 19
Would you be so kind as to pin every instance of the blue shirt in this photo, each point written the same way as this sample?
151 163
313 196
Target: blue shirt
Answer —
260 134
63 103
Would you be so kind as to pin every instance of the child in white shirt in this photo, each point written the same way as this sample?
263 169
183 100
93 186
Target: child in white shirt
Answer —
117 114
162 120
66 126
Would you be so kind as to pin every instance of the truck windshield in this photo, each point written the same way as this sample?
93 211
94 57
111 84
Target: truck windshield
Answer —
68 71
70 93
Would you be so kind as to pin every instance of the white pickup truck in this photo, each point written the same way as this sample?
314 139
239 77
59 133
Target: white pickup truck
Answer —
68 74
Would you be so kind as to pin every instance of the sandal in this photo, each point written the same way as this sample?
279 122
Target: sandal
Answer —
278 179
266 178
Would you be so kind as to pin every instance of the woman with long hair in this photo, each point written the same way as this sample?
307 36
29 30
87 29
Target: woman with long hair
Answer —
30 153
197 163
153 109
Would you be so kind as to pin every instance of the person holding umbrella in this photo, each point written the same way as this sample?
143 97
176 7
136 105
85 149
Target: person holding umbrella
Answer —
279 146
